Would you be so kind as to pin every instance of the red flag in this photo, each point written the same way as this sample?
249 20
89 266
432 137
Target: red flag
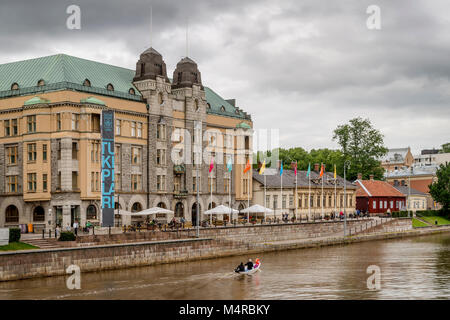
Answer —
247 166
294 165
321 171
211 166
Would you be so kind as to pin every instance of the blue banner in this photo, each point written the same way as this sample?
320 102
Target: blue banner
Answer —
107 168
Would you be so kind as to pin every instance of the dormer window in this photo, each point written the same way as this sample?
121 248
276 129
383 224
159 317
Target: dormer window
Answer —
14 86
222 108
86 83
131 91
208 106
236 111
41 83
110 87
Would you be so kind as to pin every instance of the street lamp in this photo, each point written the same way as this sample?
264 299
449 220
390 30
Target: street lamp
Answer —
346 164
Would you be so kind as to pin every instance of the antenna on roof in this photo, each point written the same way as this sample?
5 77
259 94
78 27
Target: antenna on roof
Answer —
151 25
187 37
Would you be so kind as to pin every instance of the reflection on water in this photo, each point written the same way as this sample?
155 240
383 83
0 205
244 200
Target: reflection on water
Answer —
414 268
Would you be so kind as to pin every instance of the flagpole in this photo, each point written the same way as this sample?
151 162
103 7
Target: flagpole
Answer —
335 193
295 197
309 191
323 174
265 205
229 201
211 182
248 195
281 195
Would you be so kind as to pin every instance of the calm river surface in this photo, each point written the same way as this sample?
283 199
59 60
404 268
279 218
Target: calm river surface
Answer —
414 268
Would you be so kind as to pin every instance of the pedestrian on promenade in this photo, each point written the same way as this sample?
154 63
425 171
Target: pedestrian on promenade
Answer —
75 227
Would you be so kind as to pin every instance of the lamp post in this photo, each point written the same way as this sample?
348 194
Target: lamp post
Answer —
346 164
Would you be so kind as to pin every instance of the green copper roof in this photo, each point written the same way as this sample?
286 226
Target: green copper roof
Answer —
35 100
65 72
243 125
62 72
93 100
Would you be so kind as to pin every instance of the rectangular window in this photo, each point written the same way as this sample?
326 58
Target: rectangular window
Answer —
59 181
161 157
284 202
392 204
291 200
92 181
31 123
32 152
226 186
44 152
133 129
136 155
7 124
75 121
74 180
267 201
74 150
176 183
118 127
95 122
95 151
275 201
385 204
97 181
374 204
161 132
58 122
15 127
211 182
44 182
12 183
194 183
300 201
32 182
136 182
139 129
161 183
12 155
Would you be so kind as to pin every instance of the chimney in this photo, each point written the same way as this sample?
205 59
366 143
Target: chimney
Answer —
316 167
371 177
360 176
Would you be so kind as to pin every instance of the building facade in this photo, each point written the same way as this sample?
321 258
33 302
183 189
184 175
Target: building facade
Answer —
375 196
50 140
415 200
397 159
286 200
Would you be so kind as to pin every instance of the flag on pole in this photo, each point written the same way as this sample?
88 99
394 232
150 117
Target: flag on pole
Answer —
309 170
211 166
247 166
281 167
334 172
230 165
263 167
321 171
294 165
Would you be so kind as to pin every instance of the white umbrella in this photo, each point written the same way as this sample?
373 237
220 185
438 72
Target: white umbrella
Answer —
154 210
257 209
123 212
222 210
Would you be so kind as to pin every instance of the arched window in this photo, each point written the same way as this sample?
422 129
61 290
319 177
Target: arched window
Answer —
160 99
86 83
11 214
136 207
14 86
131 91
208 106
91 212
222 108
213 205
179 210
161 205
110 87
41 83
38 214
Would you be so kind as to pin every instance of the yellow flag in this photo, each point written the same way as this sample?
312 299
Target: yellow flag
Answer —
335 172
263 167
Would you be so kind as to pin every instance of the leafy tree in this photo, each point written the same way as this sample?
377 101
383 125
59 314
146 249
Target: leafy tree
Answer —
363 145
446 148
440 189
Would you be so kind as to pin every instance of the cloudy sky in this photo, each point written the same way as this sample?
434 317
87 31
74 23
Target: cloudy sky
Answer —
299 66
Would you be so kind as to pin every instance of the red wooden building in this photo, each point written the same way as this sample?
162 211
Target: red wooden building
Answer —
375 196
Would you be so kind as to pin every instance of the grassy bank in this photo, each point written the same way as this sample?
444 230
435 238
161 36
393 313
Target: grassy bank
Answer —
440 220
418 224
17 246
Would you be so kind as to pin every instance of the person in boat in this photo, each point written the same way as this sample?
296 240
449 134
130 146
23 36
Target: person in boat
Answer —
240 268
249 264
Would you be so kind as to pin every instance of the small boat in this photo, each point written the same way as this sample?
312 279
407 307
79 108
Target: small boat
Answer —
255 268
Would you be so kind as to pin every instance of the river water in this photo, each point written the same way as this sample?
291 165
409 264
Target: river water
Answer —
413 268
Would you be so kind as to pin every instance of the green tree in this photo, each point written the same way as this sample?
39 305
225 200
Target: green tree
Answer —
446 148
440 189
363 145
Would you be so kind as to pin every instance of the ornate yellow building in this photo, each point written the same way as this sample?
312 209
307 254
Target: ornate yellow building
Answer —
50 154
